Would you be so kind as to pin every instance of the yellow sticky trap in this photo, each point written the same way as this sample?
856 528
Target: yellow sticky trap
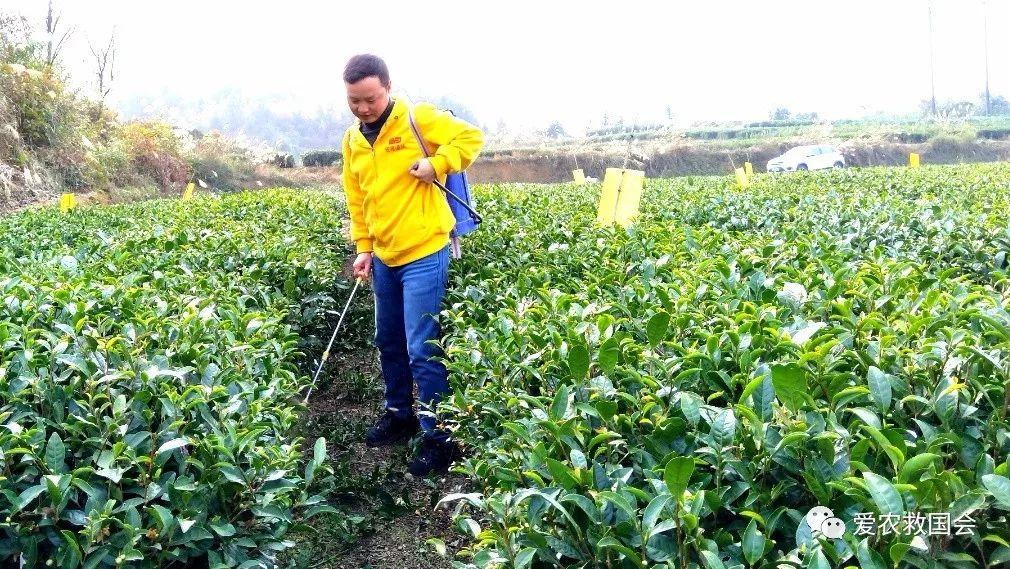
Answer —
630 197
187 194
67 202
748 168
579 176
913 160
741 178
608 196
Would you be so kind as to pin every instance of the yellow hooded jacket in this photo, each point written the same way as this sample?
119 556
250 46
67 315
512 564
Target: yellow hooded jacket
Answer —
394 215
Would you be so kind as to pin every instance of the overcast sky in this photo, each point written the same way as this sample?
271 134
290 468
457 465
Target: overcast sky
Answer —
531 62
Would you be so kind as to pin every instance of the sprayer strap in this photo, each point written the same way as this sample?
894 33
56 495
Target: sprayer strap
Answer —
417 132
424 148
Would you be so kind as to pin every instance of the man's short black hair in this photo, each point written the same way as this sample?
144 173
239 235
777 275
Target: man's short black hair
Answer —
366 65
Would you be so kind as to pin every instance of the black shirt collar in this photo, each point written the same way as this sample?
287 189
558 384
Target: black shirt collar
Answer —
377 124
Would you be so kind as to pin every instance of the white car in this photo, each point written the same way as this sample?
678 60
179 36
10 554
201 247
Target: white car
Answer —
812 157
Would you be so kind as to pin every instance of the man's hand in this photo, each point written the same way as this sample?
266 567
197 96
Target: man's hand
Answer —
363 266
423 170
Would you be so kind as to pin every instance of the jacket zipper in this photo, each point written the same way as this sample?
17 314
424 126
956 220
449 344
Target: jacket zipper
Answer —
375 162
371 146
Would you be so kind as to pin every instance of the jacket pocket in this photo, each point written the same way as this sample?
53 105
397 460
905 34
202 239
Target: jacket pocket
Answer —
447 221
414 226
412 232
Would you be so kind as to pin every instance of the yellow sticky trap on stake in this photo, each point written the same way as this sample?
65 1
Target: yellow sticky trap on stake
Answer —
630 197
748 169
579 176
608 196
620 197
913 160
187 194
741 178
67 202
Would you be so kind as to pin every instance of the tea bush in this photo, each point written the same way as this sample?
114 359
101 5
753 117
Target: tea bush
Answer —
682 392
148 381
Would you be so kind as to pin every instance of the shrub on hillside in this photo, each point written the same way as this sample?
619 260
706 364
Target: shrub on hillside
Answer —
153 150
321 158
222 162
282 160
52 140
36 113
111 165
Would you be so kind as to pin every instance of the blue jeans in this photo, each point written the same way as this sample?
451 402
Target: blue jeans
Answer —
408 299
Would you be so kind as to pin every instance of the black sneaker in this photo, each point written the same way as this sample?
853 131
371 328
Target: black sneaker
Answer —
391 429
435 455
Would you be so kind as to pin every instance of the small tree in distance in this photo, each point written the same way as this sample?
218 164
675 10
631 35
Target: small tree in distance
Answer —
780 114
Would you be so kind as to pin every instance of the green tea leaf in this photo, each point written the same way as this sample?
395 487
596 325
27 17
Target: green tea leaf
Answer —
661 547
606 409
893 453
803 336
438 545
564 547
28 495
818 561
880 387
724 427
712 560
578 361
524 558
999 487
164 516
607 357
314 511
657 327
653 511
627 552
172 445
897 552
56 453
319 452
223 528
561 474
233 474
678 475
561 405
868 558
471 526
790 383
753 543
916 465
72 551
884 494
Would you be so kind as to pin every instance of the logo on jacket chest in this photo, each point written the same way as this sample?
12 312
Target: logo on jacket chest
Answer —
395 143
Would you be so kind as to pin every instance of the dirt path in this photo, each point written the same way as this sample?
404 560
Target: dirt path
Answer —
386 516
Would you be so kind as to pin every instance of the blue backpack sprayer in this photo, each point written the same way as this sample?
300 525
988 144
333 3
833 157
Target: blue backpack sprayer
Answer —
456 187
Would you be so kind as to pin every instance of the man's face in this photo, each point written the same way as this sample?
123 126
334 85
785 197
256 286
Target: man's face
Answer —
367 98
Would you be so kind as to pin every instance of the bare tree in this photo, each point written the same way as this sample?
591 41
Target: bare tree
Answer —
15 31
56 39
105 68
932 66
555 131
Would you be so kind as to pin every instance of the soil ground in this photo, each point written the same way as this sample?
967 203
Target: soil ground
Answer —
387 517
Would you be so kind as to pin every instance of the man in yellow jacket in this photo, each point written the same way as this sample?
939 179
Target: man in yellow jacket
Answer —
400 224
